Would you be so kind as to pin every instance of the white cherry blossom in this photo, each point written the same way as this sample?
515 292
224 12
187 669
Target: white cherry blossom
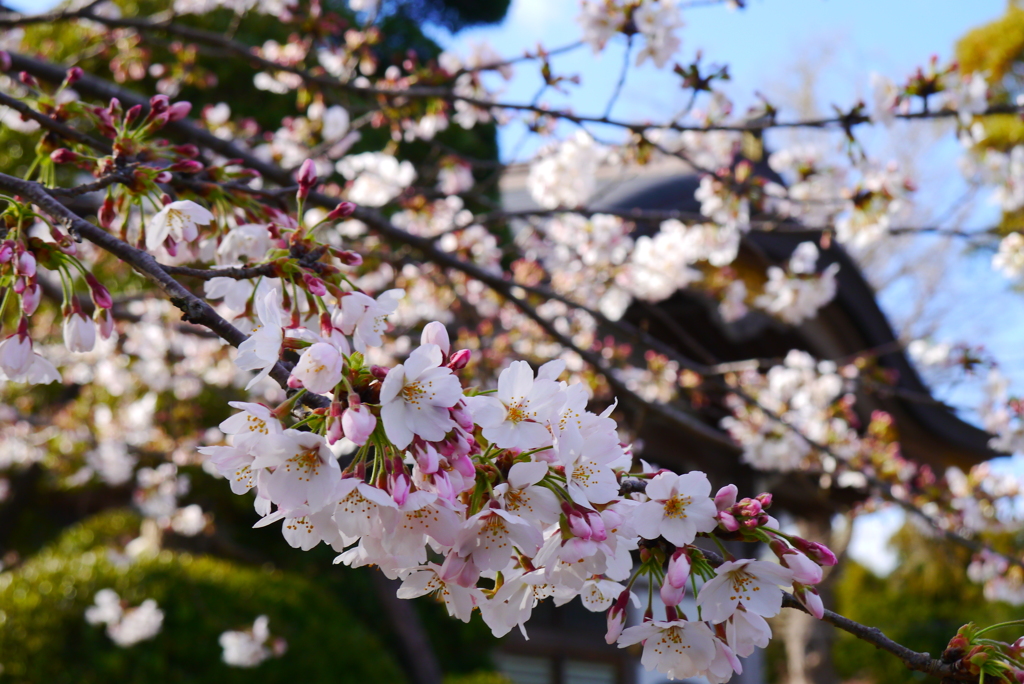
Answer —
263 348
750 583
679 508
678 648
305 471
179 221
319 368
515 417
416 397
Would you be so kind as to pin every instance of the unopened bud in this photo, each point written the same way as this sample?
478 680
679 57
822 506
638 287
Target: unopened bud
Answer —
100 294
435 333
186 166
726 497
379 372
314 285
349 258
460 359
158 104
26 264
28 79
306 178
189 150
728 521
74 74
819 553
107 214
104 322
343 210
30 298
178 111
63 155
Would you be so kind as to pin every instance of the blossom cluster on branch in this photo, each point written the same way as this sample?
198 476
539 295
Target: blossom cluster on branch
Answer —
490 465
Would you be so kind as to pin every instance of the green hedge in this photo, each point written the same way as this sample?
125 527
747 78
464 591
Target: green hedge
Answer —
44 636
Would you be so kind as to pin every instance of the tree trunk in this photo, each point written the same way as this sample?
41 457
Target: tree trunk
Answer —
809 641
414 647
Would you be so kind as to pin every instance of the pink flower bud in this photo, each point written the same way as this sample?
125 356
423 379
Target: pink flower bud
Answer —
30 298
819 553
163 177
348 258
400 486
728 521
678 569
28 79
379 372
460 359
805 571
186 166
343 210
100 294
306 178
578 525
765 499
189 150
107 214
749 508
428 459
726 497
672 596
358 423
314 285
811 600
464 466
26 264
19 285
435 333
63 155
598 531
105 322
74 74
133 114
160 120
6 251
294 382
179 110
158 104
617 618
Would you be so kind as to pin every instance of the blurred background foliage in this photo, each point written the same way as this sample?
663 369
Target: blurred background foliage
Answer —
921 604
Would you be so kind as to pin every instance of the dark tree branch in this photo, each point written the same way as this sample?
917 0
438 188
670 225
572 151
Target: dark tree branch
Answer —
194 310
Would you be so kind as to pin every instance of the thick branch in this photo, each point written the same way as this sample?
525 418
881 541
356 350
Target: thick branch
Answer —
194 310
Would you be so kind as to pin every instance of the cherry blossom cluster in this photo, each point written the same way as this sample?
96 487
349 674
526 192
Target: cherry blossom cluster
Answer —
495 499
491 500
654 20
